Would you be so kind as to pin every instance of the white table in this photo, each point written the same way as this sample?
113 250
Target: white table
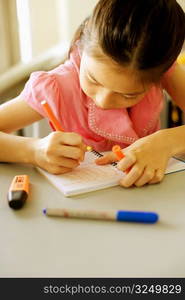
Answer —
33 245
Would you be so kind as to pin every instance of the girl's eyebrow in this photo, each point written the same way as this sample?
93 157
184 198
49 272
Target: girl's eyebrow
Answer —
128 94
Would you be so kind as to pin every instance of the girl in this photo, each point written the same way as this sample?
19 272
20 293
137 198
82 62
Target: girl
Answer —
108 92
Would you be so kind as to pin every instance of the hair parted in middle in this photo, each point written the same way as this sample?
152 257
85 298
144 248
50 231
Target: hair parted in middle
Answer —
144 35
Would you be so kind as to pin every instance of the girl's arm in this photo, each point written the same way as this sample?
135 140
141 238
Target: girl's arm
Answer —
174 84
16 114
57 153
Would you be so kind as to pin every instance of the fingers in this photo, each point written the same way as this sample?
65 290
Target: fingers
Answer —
68 152
65 162
106 159
66 144
134 174
59 152
69 138
73 139
83 149
57 170
140 176
127 162
158 176
146 177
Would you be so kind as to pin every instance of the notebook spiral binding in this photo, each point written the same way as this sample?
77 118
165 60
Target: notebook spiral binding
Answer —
100 155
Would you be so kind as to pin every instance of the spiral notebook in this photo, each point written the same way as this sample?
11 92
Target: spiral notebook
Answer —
90 177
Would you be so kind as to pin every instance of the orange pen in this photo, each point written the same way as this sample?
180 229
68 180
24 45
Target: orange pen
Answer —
53 120
18 191
117 150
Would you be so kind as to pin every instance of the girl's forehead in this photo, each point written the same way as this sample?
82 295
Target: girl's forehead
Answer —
110 74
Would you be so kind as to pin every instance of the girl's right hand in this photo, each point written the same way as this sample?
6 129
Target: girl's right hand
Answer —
59 152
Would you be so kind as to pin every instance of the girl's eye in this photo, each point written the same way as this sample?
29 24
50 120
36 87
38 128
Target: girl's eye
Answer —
127 97
90 79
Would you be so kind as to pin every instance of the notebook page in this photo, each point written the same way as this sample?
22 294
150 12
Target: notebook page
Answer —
175 165
86 177
90 177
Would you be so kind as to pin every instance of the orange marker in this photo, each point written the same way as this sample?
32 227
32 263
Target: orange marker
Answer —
18 191
117 150
53 120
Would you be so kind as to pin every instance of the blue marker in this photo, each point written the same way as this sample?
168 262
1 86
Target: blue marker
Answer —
112 215
137 216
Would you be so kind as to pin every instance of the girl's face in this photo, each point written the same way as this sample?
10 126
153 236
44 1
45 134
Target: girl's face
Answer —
108 86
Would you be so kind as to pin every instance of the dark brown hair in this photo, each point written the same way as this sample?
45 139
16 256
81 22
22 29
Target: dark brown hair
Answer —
146 35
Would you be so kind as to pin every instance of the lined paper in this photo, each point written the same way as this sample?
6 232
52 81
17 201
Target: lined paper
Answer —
90 177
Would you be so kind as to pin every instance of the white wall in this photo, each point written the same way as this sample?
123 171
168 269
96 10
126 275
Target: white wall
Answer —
71 14
53 21
45 31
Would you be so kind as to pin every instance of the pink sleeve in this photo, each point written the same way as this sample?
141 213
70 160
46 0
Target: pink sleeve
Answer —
41 86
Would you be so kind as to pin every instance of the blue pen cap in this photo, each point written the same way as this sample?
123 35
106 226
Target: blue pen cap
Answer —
137 216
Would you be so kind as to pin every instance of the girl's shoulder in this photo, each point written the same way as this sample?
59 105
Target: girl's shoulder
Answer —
172 74
169 75
173 83
63 77
171 69
56 86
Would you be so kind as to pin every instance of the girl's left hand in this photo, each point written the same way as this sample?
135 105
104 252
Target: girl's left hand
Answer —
147 157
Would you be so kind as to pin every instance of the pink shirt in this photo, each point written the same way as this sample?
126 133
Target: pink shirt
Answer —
77 113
